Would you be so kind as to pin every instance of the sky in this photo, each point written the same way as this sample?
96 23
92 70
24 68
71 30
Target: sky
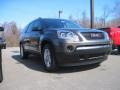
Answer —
24 11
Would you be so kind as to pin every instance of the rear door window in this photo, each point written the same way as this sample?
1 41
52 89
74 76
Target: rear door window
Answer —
30 28
37 24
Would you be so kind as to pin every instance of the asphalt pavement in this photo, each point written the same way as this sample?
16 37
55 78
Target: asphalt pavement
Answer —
29 74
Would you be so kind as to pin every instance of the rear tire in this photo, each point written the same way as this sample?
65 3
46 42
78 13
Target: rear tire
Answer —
49 60
23 54
118 47
1 74
98 64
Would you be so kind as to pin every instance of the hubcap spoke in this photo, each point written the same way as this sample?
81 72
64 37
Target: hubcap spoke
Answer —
21 51
47 57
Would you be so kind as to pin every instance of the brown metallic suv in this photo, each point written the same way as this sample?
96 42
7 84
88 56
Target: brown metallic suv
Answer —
63 42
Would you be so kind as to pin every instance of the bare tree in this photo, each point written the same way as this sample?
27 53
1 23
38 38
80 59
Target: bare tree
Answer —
71 17
12 34
106 14
85 21
116 10
115 21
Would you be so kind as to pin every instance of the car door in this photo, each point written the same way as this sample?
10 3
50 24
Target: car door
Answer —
27 37
35 36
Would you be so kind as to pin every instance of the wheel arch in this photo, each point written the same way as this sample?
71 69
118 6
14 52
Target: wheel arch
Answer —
44 42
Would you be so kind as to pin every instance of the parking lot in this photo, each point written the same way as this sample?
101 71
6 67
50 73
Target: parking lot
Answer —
29 74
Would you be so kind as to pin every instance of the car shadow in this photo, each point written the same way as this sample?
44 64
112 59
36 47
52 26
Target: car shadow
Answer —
35 63
115 52
77 68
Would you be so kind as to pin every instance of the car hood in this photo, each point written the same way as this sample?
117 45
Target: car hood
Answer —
84 30
79 30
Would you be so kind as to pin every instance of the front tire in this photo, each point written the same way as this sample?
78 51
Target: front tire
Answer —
23 54
49 59
118 47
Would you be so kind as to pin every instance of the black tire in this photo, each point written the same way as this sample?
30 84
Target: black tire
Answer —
98 64
23 54
1 74
118 47
52 66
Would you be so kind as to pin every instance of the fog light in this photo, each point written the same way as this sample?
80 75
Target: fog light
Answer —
70 48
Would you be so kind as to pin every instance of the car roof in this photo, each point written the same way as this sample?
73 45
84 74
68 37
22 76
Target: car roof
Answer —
53 19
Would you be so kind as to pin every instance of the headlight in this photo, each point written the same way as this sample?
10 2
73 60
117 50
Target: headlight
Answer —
68 35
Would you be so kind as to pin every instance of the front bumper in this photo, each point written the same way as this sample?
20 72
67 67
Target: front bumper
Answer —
73 54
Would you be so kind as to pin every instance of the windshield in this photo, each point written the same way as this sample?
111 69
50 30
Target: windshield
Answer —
57 23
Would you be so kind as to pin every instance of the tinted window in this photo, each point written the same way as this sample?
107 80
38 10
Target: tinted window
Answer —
51 23
37 24
30 27
34 24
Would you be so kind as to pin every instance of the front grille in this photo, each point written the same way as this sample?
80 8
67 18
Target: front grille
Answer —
93 35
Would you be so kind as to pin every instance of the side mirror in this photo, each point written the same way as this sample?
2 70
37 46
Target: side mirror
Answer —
1 29
36 29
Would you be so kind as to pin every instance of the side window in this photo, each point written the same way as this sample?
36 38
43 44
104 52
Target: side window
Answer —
30 28
37 24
